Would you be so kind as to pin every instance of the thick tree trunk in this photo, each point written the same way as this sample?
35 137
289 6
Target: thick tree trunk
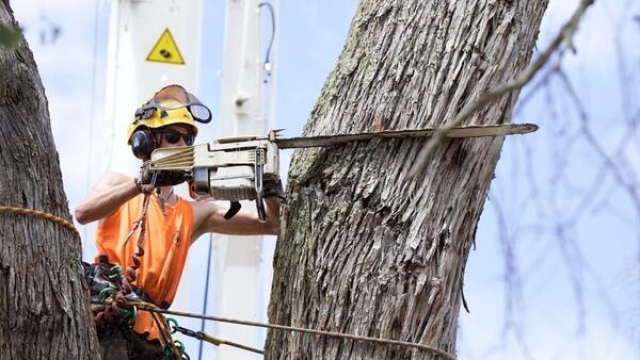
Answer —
44 309
364 250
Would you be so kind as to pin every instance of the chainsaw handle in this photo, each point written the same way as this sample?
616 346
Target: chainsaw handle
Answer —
233 209
262 213
259 183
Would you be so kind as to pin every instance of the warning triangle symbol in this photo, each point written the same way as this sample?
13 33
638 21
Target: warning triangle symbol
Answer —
165 50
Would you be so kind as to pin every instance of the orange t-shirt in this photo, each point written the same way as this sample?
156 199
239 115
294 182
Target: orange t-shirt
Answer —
166 244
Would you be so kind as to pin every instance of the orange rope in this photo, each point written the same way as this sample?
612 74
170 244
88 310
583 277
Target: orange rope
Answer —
165 332
131 272
58 220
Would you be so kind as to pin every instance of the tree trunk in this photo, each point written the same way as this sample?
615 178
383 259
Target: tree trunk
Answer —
44 307
363 250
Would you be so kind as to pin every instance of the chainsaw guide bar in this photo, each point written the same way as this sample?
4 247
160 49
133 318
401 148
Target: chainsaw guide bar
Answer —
456 132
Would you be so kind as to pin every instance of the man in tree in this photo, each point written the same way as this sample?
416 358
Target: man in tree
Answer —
167 224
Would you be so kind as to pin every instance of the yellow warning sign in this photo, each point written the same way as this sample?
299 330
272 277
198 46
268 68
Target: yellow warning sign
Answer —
165 50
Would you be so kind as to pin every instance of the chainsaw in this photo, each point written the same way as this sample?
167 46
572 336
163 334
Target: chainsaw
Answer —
237 168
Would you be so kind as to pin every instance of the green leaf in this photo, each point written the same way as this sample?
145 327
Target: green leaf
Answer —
10 36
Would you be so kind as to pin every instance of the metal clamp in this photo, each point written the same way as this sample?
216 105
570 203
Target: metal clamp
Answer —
259 182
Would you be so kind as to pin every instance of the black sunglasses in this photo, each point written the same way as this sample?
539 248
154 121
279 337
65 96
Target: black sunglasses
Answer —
174 136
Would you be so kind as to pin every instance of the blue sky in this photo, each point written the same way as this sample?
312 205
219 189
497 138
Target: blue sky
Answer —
547 307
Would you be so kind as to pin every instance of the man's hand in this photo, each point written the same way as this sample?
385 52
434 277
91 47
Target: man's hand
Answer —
156 178
273 188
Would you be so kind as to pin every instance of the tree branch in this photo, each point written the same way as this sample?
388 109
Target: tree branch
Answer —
564 36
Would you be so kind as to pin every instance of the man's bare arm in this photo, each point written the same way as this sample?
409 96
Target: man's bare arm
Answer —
107 195
210 218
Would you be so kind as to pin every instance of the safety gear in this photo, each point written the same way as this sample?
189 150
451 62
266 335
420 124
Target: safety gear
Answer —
142 143
171 105
174 136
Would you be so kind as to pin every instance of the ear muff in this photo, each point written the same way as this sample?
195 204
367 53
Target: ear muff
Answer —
142 144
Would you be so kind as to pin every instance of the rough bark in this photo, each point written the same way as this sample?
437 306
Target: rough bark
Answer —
363 250
44 309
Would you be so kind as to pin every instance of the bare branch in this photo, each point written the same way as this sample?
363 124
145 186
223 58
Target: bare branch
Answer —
564 36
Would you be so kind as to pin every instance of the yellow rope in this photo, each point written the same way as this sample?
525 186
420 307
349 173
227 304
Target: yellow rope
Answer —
22 211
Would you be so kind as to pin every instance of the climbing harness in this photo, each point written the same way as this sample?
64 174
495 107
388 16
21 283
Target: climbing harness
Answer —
112 306
208 338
